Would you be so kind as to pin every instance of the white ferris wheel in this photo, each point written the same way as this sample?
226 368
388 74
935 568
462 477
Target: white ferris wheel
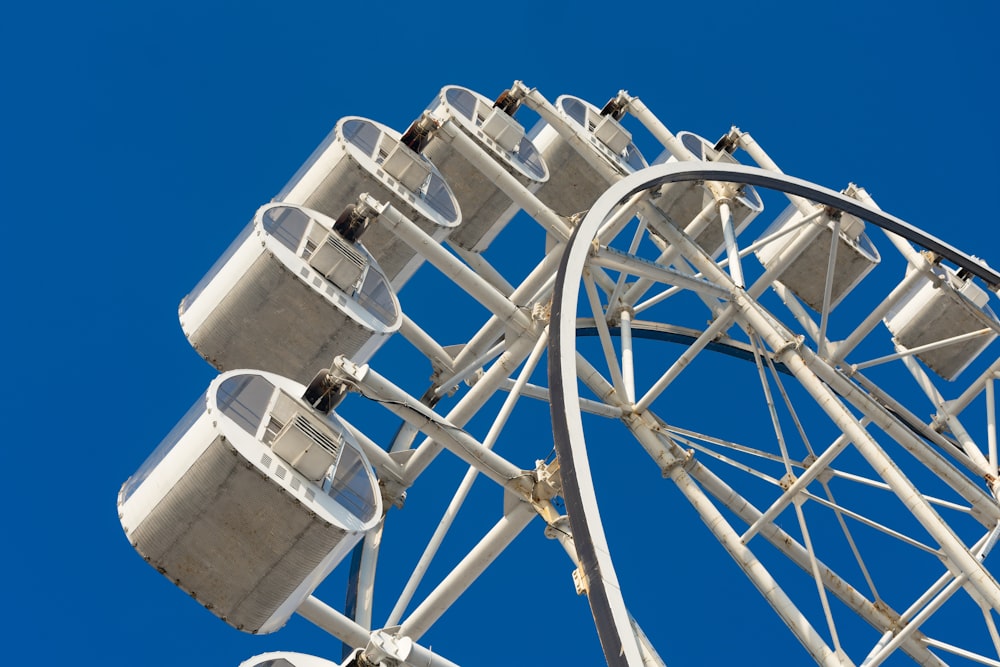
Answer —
811 377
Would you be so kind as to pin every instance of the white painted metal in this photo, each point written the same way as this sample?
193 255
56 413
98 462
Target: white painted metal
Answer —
732 251
340 626
628 368
802 364
991 423
463 490
652 232
477 560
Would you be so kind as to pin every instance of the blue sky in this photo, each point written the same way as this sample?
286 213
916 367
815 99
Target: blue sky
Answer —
139 138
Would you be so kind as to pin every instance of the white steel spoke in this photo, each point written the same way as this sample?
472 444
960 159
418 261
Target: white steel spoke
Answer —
768 587
601 277
874 483
931 457
340 626
991 423
615 259
449 383
756 572
474 564
444 525
961 652
831 265
722 322
620 219
800 516
855 551
637 237
771 408
943 418
586 405
800 314
957 405
732 249
928 603
771 238
785 543
685 435
774 481
991 627
484 269
607 345
425 453
364 597
820 588
910 352
746 251
842 348
818 467
823 482
877 404
628 367
873 524
804 365
670 254
658 298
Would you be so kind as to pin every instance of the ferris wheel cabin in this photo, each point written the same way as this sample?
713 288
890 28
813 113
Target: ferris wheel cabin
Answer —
936 310
361 156
486 208
574 183
806 269
682 202
251 500
292 292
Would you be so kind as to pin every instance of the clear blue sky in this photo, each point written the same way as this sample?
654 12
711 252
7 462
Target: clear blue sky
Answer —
139 138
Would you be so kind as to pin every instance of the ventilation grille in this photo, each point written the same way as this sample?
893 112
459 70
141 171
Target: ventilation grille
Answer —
307 448
350 254
316 435
340 262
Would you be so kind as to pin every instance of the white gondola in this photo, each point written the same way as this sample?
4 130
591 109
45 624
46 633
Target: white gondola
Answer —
937 310
362 156
805 274
251 500
682 202
574 184
290 294
290 659
486 209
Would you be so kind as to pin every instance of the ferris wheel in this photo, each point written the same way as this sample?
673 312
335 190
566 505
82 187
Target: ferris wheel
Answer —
811 377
